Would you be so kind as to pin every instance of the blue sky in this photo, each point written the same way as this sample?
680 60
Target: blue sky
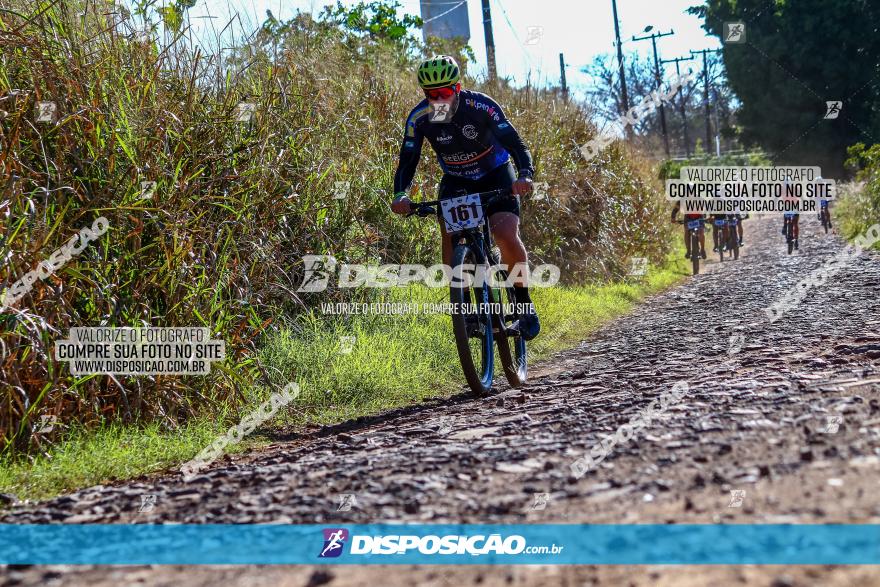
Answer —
579 29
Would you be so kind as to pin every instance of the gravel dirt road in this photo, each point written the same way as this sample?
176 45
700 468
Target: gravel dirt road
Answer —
780 423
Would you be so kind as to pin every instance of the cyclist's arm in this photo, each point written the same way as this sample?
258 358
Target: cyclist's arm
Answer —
410 153
675 209
509 138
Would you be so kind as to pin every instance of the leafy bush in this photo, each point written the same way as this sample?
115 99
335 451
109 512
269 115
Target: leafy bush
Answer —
859 206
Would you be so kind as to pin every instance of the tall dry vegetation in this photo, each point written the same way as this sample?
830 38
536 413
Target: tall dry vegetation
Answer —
236 205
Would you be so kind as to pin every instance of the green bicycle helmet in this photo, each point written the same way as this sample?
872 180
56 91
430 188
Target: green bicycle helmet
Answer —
438 71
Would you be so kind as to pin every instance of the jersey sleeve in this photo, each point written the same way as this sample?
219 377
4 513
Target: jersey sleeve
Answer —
410 153
507 135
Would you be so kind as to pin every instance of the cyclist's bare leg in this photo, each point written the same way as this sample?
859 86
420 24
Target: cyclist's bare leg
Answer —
505 231
687 239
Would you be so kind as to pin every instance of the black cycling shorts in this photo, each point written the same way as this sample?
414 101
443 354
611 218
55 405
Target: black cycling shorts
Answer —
500 178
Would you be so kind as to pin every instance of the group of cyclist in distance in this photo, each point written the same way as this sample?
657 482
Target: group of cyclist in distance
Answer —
720 235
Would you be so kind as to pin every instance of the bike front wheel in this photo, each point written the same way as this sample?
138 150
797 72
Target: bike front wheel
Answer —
472 323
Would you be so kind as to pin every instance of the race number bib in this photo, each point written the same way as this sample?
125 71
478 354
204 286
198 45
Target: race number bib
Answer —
462 212
694 224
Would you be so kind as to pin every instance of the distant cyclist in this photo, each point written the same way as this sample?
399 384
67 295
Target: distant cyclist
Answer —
476 147
719 235
687 241
823 206
791 217
825 210
739 225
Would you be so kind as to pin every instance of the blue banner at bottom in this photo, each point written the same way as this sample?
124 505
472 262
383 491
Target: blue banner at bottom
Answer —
453 544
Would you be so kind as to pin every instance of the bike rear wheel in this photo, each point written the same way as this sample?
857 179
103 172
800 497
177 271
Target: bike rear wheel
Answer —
472 324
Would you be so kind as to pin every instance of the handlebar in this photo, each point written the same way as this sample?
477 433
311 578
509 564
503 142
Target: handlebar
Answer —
428 207
683 220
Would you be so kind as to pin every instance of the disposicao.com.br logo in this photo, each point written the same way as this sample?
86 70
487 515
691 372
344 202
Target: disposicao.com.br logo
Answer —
334 542
450 544
319 269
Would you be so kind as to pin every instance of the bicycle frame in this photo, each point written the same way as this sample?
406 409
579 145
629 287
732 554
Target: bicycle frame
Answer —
477 242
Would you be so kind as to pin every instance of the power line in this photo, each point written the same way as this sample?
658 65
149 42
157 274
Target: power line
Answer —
515 36
653 37
624 95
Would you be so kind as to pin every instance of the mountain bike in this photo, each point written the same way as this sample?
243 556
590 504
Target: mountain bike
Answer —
733 236
825 216
693 227
789 231
721 237
483 310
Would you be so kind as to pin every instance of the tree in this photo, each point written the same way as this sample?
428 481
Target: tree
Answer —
377 20
606 98
798 55
606 94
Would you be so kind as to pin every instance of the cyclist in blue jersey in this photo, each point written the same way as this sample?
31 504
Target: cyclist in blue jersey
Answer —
791 217
823 206
676 208
477 148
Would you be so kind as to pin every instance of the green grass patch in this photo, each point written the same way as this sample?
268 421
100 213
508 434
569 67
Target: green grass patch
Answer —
394 361
114 452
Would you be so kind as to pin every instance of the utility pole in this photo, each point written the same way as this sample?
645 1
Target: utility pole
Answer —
562 76
654 38
717 125
490 41
623 92
684 119
706 95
